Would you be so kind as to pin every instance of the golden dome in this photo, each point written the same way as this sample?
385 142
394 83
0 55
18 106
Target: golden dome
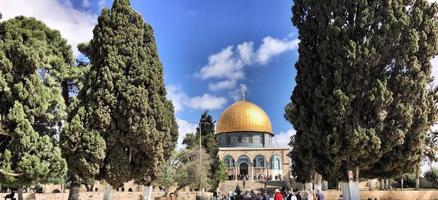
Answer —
244 116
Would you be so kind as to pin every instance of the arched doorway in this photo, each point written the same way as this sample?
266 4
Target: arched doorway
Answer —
243 169
244 163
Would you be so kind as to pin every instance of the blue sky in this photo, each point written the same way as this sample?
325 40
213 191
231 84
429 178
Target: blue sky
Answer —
189 33
209 49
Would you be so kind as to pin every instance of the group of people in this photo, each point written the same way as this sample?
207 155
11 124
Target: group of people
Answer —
278 195
290 195
314 195
259 177
268 178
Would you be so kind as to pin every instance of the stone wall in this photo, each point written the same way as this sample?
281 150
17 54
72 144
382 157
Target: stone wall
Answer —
388 195
99 196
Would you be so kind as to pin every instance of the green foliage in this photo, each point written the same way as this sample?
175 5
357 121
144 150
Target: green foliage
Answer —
121 112
191 140
208 137
167 176
432 175
184 169
192 172
220 175
33 61
84 149
362 98
408 180
431 147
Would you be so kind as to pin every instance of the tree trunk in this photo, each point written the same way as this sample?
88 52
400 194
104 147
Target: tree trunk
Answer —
20 193
401 182
417 177
350 189
107 193
74 191
65 90
388 184
370 187
382 187
147 194
317 181
87 187
357 174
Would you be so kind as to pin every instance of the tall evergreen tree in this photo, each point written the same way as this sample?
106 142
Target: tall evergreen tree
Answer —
361 99
33 59
123 101
206 129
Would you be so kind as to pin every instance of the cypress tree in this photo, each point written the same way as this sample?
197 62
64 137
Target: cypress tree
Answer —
33 60
124 100
361 101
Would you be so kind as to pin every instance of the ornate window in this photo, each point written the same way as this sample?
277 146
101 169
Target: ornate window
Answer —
229 161
259 161
243 159
275 162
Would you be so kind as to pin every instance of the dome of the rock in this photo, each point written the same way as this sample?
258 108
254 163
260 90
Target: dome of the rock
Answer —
244 116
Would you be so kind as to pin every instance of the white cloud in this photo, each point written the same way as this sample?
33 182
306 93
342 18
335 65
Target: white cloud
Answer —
225 84
184 127
75 25
282 139
246 52
272 47
207 102
223 64
86 3
181 100
177 96
236 93
228 65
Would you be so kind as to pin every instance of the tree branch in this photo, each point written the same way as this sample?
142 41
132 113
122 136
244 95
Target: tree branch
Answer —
10 174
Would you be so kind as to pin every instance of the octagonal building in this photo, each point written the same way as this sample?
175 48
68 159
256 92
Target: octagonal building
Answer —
244 136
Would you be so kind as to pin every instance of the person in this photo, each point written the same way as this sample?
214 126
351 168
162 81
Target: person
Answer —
320 194
298 195
315 196
10 196
237 190
172 196
248 195
214 197
140 197
309 195
266 196
244 183
277 195
230 196
291 196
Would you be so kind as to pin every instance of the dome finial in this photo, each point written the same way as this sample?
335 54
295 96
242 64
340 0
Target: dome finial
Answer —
243 88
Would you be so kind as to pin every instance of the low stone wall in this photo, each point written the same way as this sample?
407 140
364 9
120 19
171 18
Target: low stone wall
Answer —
389 195
99 196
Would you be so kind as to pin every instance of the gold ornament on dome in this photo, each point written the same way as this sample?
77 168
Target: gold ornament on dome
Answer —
244 116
